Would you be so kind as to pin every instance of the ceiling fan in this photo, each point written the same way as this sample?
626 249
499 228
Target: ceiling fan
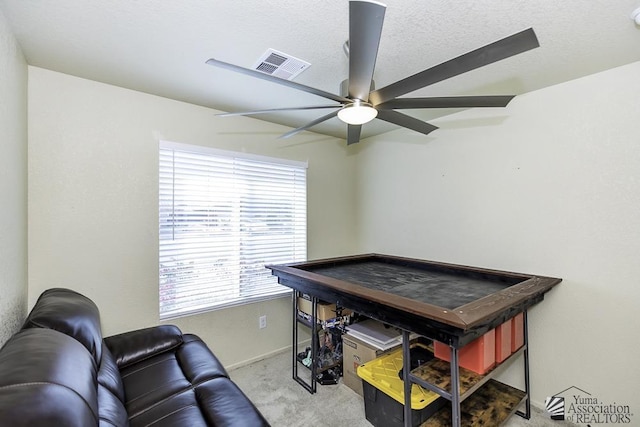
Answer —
361 103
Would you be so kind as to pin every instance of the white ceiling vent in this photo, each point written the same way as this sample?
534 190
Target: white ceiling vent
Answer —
280 64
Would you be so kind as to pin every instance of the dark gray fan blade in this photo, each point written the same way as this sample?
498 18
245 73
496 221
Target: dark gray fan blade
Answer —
277 80
353 134
502 49
275 110
406 121
365 29
447 102
308 125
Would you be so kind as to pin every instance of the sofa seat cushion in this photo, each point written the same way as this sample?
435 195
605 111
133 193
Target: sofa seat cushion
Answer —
215 402
167 374
111 410
47 379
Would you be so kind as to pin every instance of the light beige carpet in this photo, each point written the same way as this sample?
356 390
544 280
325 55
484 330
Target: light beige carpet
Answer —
284 402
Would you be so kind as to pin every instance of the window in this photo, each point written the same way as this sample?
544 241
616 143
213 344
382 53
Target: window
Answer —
223 216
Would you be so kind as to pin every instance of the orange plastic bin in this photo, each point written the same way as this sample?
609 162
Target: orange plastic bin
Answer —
478 356
517 332
503 341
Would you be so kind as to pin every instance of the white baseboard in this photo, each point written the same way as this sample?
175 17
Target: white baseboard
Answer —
264 356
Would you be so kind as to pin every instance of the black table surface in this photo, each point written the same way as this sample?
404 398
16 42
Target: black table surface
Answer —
441 288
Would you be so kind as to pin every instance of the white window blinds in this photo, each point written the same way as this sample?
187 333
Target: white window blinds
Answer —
223 216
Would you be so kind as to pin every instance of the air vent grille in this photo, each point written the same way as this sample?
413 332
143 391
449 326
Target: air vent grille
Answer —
267 68
280 64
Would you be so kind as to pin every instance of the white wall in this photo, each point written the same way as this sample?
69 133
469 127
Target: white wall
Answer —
93 195
13 183
551 186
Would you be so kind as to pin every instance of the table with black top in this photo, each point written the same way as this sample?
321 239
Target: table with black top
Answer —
449 303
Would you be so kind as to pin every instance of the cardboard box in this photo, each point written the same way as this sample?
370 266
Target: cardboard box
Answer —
478 356
326 310
355 352
503 341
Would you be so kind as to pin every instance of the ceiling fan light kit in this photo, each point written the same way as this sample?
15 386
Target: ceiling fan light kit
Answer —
361 103
357 113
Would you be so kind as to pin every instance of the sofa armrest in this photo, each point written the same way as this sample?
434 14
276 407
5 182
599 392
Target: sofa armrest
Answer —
131 347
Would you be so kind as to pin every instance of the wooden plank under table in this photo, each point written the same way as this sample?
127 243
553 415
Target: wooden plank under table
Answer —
491 405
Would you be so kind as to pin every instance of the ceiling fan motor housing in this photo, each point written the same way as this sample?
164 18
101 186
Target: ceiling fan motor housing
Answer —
344 88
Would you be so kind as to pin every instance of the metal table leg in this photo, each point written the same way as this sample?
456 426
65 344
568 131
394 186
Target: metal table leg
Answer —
310 387
455 388
406 369
314 343
527 383
294 344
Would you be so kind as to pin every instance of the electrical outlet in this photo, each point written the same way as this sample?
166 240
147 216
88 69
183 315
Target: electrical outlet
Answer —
263 322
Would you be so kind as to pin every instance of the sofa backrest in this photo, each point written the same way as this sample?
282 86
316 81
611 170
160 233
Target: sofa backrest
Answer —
75 317
71 313
47 379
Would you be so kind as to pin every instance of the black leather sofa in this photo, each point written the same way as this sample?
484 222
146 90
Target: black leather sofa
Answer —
59 371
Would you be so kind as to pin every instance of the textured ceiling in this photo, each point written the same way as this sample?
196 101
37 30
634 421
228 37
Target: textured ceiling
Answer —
160 47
